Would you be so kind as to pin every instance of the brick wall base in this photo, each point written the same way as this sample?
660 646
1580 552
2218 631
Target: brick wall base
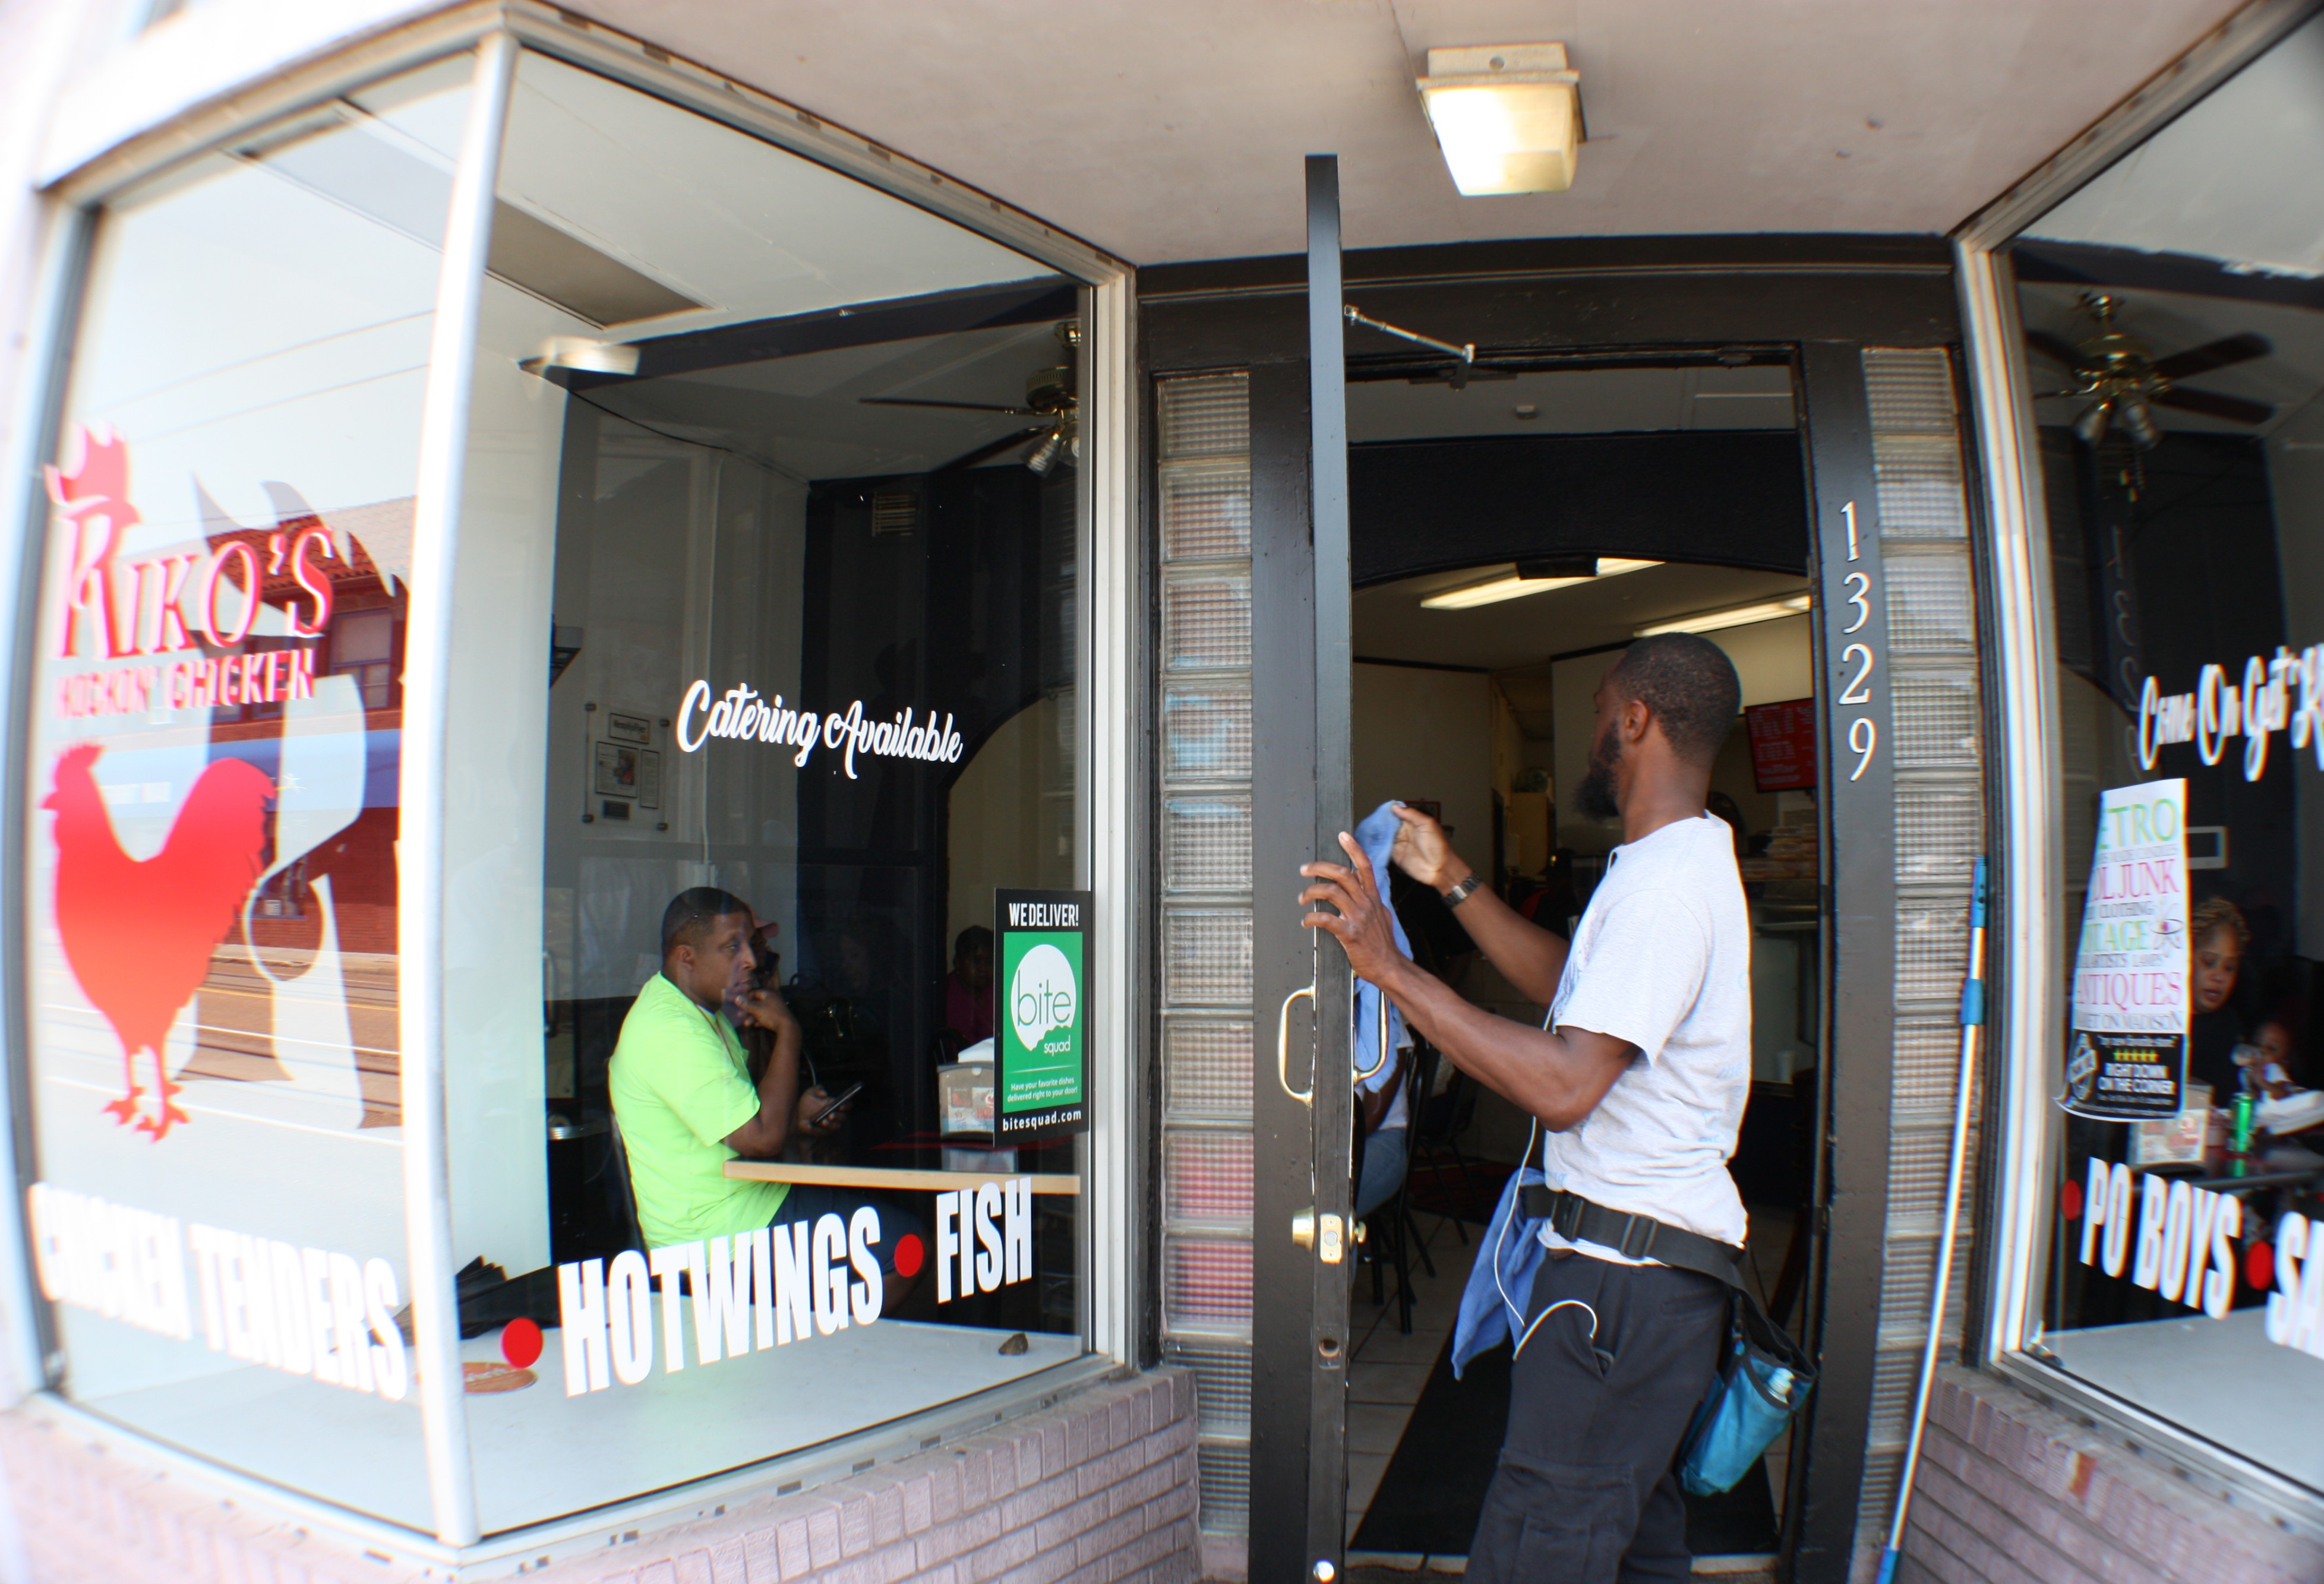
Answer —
2011 1492
1099 1487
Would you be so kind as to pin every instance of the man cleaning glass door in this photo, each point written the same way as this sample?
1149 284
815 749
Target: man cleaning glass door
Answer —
1640 1077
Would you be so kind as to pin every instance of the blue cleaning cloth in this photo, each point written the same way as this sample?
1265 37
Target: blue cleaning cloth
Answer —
1376 836
1492 1310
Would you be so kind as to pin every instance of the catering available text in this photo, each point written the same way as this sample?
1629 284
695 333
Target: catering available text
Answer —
742 714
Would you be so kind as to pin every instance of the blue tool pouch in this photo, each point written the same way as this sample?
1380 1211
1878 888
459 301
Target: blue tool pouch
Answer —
1761 1383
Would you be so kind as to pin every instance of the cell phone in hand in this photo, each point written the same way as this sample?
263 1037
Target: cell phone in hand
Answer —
849 1093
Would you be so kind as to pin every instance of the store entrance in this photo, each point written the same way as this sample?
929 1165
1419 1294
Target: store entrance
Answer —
1511 536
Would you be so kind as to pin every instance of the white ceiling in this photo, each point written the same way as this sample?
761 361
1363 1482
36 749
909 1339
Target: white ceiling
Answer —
2233 179
1175 132
803 416
1389 622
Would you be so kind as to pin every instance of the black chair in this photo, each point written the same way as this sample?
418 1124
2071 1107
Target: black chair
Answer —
1437 1120
1391 1235
619 1193
1391 1231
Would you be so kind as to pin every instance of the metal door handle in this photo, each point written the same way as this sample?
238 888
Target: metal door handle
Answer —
1283 1048
1380 1020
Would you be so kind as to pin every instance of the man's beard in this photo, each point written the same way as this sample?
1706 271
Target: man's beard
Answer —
1594 798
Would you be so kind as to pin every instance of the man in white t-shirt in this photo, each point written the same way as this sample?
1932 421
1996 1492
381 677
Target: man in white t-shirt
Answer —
1640 1079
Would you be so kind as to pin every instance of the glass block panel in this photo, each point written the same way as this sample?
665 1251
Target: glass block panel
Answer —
1936 831
1206 511
1206 841
1931 952
1935 717
1917 1161
1206 1068
1927 1075
1930 606
1206 622
1206 957
1221 1384
1206 416
1207 1284
1223 1472
1875 1501
1205 733
1908 388
1919 480
1206 1177
1905 1280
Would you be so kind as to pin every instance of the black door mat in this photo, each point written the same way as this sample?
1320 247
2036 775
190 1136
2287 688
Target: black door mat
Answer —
1428 1499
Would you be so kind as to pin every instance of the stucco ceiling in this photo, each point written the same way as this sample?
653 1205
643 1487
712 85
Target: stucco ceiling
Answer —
1168 131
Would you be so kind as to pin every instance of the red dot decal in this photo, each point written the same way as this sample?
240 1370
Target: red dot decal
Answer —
521 1342
2259 1266
2070 1200
909 1255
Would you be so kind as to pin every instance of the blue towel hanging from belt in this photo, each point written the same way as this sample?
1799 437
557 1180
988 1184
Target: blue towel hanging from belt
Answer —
1376 835
1500 1283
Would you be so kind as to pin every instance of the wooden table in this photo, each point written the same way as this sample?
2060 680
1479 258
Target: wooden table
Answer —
895 1177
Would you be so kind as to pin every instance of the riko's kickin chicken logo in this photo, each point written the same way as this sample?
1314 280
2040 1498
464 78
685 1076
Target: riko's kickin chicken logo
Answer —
136 641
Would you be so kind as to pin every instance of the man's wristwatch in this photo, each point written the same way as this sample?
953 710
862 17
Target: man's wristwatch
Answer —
1463 889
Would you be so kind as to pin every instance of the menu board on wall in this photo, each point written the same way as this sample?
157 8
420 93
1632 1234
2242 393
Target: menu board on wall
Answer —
1782 744
1041 1047
2128 1058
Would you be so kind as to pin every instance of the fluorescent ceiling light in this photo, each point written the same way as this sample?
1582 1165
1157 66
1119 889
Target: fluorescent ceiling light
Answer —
1508 117
1733 616
1513 585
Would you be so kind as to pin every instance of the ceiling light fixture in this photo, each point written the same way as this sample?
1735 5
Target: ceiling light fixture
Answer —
581 354
1797 604
1508 117
1515 584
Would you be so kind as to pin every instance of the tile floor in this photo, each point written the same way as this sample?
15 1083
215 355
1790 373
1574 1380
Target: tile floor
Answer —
1388 1369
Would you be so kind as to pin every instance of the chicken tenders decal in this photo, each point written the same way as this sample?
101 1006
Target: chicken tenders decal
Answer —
177 906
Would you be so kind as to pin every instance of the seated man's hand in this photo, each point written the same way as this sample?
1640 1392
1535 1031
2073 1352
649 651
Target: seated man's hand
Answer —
765 1008
810 1104
1421 852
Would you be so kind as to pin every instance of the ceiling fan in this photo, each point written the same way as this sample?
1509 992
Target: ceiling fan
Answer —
1049 396
2123 380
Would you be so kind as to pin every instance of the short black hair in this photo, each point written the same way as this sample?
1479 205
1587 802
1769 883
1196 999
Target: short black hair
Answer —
691 913
970 939
1690 684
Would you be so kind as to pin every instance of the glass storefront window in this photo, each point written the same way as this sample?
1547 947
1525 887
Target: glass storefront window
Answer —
210 907
2176 346
770 541
765 973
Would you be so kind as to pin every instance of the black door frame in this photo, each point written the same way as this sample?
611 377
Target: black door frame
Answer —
1825 297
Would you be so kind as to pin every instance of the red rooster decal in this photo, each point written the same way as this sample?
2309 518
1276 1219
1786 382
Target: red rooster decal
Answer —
139 934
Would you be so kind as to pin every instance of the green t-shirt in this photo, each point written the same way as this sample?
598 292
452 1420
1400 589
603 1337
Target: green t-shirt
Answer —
681 1084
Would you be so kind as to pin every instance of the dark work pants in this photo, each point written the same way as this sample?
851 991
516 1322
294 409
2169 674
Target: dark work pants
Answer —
1584 1493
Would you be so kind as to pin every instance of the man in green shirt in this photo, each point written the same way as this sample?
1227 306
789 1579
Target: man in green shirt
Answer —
682 1087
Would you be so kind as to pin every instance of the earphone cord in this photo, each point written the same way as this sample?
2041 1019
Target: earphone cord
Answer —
1532 1134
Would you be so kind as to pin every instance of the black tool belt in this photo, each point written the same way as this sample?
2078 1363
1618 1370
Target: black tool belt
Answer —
1636 1237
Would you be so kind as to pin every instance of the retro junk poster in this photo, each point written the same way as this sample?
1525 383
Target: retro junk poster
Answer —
1041 1046
2127 1059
